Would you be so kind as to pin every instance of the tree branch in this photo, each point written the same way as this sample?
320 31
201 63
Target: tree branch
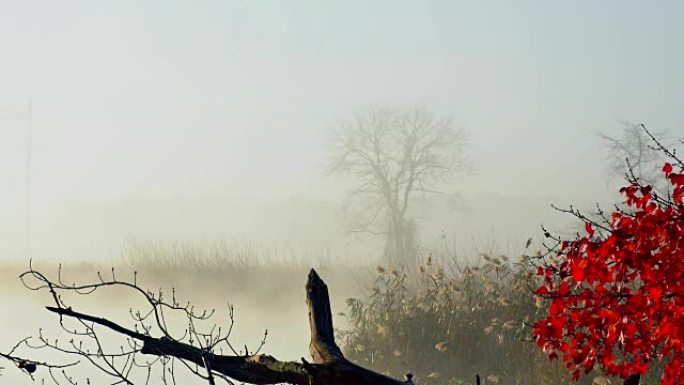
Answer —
329 366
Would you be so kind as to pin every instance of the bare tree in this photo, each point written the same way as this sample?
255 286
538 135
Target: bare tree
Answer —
154 349
633 150
395 156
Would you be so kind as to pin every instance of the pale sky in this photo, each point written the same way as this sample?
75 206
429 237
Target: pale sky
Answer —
209 119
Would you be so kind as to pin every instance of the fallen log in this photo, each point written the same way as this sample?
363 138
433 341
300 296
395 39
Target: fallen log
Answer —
328 365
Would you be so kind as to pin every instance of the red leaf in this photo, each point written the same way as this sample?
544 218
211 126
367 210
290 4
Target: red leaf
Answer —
654 294
542 291
677 179
590 231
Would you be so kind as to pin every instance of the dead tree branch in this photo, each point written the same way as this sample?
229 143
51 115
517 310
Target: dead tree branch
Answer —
328 366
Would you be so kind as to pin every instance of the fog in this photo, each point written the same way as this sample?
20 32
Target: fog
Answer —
205 121
127 122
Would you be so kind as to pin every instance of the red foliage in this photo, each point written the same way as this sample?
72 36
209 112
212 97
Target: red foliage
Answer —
617 296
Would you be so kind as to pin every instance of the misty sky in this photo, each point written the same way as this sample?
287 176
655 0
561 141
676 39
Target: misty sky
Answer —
210 119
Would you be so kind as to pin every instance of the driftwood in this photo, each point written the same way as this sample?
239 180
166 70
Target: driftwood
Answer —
328 366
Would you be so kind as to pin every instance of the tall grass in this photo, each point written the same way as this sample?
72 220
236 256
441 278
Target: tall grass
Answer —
203 256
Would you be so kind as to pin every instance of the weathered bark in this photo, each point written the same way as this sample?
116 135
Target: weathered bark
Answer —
400 242
329 366
322 347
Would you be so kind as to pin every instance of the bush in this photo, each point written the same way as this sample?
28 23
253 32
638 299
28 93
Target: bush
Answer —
451 324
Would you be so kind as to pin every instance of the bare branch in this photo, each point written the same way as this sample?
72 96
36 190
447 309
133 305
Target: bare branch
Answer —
195 349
